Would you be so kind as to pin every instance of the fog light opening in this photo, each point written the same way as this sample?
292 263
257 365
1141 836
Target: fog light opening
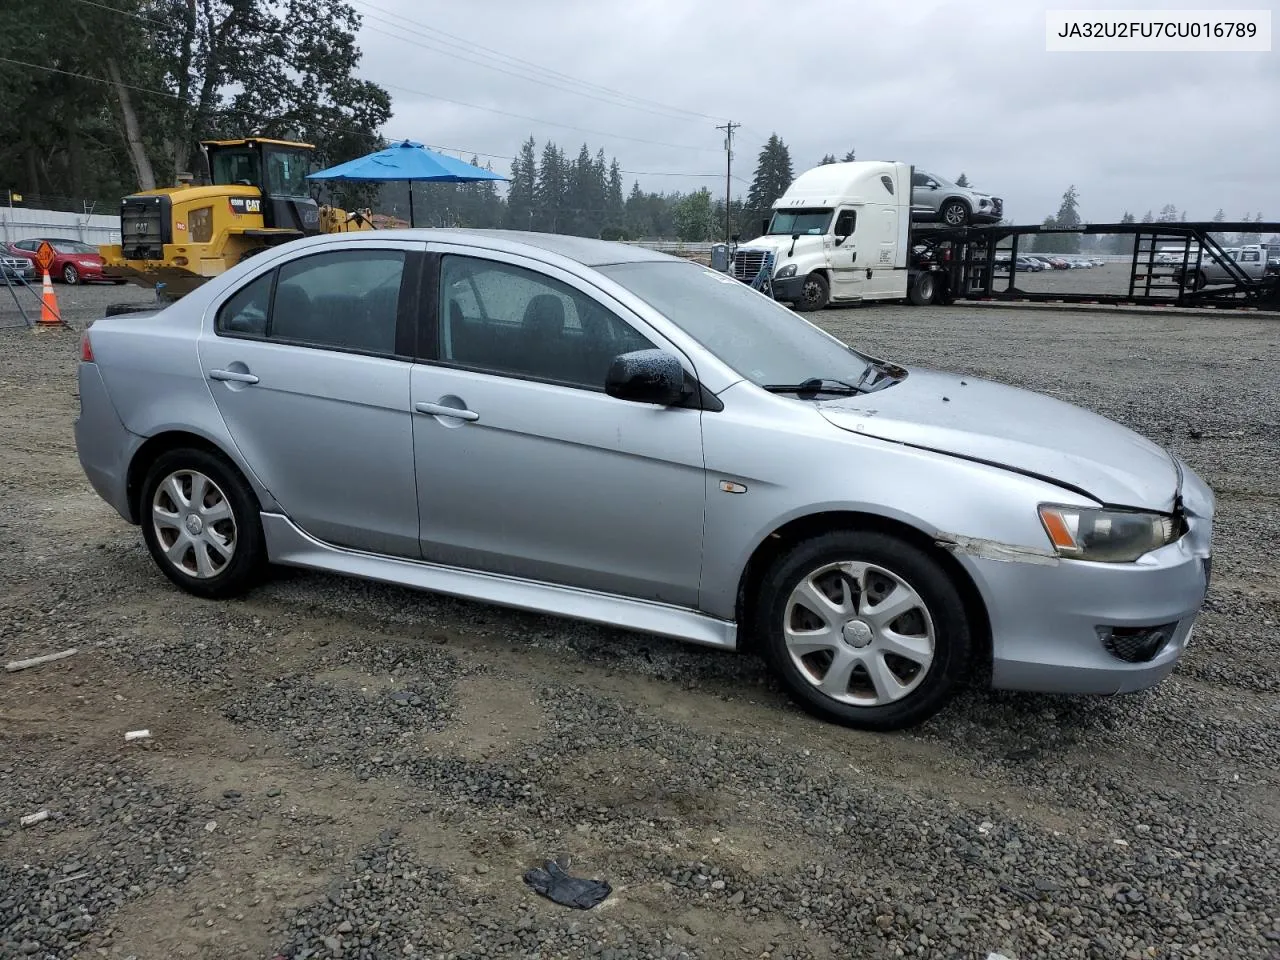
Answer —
1136 644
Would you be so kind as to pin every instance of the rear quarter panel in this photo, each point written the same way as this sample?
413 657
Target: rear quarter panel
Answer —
152 373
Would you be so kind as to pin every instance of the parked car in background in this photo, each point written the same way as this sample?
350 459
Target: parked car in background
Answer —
18 269
604 432
73 260
1026 264
1050 263
936 199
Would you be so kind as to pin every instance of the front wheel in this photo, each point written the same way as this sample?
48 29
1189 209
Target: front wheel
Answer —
201 523
923 289
814 294
70 275
954 213
865 629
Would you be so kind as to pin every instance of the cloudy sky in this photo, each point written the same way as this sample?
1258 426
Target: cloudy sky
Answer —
949 86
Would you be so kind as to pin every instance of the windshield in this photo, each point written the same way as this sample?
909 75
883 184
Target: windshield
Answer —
287 173
72 246
802 221
236 166
755 335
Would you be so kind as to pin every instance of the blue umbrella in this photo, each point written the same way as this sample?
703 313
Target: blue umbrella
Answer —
408 161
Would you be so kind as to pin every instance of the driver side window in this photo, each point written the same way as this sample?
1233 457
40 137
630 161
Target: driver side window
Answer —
503 319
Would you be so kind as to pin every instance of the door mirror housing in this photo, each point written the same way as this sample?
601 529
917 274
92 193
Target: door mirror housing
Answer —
646 376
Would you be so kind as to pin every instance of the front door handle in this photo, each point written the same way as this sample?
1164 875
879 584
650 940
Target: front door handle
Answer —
441 410
232 375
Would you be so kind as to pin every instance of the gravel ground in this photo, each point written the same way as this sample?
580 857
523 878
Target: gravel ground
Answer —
340 769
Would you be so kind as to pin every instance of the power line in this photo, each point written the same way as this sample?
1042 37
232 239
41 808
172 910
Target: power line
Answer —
541 120
464 43
428 42
315 124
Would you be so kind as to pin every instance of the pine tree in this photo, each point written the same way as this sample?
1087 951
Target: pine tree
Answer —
521 190
1124 242
1168 214
826 158
773 176
962 180
1148 218
1220 216
849 157
549 194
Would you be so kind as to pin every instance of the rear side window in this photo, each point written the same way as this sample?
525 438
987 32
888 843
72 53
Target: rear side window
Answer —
246 312
345 300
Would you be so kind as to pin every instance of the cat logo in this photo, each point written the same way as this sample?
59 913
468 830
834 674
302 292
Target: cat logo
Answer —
253 206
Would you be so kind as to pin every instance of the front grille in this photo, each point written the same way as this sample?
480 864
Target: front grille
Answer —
143 228
1136 644
997 207
746 264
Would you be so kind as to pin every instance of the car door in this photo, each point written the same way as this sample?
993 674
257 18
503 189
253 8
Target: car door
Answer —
925 196
525 466
309 365
847 270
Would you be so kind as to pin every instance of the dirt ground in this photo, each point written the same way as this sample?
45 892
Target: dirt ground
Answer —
340 769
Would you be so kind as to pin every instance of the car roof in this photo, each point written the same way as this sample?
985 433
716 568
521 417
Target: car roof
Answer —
584 250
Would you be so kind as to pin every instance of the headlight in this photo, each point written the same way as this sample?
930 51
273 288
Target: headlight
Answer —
88 263
1107 536
788 271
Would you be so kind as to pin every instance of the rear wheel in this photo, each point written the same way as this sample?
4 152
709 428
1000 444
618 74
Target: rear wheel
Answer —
1196 280
814 294
865 629
201 523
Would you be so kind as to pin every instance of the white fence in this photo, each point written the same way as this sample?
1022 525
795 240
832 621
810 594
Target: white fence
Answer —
21 223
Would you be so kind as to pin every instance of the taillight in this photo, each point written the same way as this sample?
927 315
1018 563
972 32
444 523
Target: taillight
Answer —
86 349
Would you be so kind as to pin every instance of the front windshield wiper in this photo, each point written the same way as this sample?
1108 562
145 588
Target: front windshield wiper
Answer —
816 385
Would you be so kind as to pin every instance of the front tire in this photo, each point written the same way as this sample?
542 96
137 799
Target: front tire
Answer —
814 294
864 629
70 275
954 213
924 289
201 523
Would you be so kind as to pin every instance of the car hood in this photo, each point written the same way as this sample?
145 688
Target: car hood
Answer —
1016 429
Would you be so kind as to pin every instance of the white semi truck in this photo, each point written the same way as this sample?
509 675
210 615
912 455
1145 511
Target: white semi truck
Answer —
842 233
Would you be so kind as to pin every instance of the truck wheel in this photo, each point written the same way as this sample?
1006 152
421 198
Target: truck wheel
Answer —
1197 280
954 213
814 294
923 289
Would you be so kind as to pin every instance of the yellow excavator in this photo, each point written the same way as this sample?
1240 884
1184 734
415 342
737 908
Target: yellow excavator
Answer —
183 235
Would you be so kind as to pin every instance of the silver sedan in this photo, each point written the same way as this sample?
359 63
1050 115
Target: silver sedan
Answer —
602 432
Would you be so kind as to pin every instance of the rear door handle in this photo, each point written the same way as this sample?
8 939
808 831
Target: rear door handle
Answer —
232 375
440 410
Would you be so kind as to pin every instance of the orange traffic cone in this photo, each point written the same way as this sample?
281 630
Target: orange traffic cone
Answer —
49 315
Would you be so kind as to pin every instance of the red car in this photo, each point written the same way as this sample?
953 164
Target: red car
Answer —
73 261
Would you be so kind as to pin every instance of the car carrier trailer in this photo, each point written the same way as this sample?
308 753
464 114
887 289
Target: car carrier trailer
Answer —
843 233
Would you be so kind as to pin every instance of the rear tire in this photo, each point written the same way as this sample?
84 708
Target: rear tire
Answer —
202 524
899 615
814 294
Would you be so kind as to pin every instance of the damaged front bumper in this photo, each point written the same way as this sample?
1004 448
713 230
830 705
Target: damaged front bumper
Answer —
1078 627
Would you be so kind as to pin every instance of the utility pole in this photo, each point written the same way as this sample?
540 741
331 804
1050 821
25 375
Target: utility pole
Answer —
728 127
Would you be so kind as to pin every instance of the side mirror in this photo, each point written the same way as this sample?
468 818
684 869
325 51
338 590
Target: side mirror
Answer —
646 376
